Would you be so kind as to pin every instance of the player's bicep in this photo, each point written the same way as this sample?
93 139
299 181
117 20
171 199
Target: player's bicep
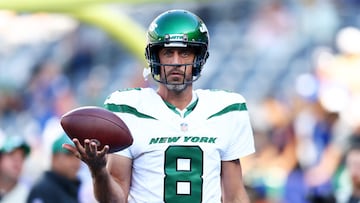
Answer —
120 169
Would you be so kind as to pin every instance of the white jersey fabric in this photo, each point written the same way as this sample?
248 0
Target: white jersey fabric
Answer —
177 158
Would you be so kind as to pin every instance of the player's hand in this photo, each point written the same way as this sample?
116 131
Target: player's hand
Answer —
89 153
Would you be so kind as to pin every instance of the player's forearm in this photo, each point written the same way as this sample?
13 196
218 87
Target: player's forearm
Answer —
106 190
242 197
237 201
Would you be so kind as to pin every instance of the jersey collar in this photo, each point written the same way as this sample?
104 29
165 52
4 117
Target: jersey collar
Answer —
187 110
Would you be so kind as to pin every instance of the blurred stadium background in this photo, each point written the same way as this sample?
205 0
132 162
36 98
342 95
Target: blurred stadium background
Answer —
55 56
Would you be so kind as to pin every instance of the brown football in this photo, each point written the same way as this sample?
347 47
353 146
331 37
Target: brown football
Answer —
97 124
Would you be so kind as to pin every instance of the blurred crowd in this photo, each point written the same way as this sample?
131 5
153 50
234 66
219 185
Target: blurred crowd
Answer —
297 63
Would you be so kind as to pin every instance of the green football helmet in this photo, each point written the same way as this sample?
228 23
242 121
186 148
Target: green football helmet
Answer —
177 28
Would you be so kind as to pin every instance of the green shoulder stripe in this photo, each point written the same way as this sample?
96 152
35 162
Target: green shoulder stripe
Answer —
127 109
129 89
232 107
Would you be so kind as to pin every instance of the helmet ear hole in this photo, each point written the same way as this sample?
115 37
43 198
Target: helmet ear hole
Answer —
155 69
153 59
196 67
196 71
199 61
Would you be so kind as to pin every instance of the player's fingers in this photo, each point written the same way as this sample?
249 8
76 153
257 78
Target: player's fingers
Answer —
93 147
90 148
87 146
78 144
104 150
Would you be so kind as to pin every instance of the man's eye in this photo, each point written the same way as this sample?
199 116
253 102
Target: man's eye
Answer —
167 53
185 53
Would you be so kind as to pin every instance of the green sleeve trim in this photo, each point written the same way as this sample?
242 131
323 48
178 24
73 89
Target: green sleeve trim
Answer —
127 109
232 107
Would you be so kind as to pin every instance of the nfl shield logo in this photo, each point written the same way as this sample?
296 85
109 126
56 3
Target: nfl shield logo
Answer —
184 127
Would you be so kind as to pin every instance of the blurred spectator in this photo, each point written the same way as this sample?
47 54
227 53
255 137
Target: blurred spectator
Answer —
60 183
325 123
276 153
338 76
339 91
13 152
349 186
318 157
47 91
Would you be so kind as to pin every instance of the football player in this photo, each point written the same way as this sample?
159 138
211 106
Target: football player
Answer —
187 143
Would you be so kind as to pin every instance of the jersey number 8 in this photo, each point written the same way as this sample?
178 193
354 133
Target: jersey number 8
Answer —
183 174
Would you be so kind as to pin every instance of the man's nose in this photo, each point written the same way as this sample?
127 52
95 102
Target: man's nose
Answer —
177 58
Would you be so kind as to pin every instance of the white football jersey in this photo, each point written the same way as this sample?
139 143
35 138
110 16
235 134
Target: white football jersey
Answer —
177 156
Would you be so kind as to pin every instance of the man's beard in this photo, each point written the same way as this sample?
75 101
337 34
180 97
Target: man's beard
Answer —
177 87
